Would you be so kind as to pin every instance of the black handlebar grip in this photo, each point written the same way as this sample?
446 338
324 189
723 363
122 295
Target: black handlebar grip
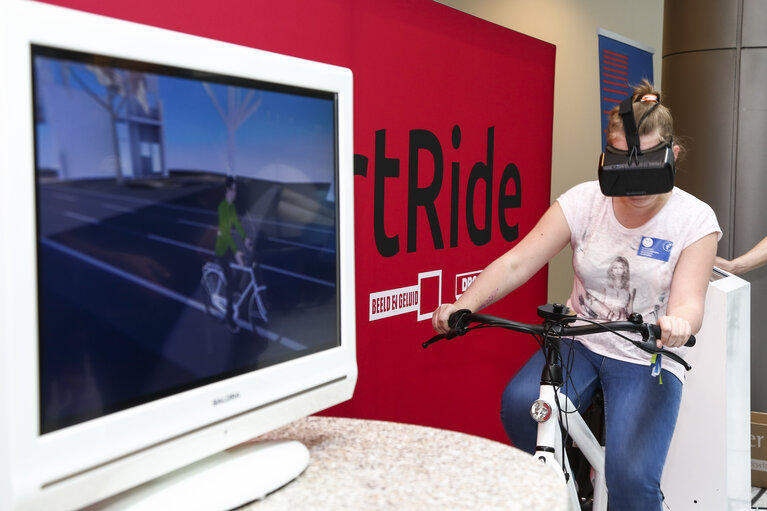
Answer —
456 316
657 332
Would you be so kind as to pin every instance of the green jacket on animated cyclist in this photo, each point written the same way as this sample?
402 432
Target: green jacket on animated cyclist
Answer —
227 251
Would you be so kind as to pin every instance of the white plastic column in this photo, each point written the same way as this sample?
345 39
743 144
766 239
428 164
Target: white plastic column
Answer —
709 462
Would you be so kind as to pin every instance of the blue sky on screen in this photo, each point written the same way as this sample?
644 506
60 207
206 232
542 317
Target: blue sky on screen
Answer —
286 130
290 137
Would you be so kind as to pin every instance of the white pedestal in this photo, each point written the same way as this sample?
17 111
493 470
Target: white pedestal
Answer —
222 482
709 462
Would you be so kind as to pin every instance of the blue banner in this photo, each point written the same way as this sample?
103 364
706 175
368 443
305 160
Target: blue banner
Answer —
622 65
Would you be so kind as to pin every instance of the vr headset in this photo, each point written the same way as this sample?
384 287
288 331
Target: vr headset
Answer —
636 172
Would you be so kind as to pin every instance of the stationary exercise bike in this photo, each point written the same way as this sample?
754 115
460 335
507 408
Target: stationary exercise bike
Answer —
558 419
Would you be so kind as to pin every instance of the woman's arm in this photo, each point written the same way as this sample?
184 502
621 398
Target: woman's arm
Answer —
751 260
687 297
512 269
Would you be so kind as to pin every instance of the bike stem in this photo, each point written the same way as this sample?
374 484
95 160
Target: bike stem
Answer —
552 371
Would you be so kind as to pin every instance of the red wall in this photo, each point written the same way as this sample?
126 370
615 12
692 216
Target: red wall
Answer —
423 75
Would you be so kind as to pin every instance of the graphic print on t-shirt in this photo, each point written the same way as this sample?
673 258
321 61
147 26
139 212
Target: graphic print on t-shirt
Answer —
616 300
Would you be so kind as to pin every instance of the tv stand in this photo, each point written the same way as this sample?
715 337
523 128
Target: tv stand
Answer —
224 481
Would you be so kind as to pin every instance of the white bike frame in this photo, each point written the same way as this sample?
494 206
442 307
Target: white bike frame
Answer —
252 288
550 451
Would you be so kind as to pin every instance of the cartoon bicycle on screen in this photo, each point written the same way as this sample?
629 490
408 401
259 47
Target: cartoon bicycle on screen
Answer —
221 279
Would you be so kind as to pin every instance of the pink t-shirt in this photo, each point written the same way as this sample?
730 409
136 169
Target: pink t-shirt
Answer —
619 271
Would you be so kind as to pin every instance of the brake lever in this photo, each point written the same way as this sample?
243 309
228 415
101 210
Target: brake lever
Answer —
449 335
648 344
434 339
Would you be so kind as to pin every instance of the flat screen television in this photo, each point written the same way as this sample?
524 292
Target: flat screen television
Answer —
177 271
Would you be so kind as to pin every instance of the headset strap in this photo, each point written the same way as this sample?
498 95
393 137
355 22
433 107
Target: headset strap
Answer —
626 111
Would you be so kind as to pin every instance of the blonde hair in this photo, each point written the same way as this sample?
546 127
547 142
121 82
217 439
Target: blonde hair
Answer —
658 119
626 277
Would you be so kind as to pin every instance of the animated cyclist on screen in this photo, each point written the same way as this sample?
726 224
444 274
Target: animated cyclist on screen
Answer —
226 249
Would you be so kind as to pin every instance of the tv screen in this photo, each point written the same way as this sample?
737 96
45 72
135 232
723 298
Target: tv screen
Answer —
178 271
139 235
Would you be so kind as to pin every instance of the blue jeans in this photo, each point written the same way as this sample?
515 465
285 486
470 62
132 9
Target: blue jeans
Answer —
640 415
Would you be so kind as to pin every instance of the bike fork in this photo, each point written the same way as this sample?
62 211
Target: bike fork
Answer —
591 449
550 450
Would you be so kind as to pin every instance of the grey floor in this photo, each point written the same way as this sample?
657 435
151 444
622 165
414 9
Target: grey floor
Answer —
758 498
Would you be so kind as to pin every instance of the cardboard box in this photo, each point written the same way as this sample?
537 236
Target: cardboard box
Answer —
759 449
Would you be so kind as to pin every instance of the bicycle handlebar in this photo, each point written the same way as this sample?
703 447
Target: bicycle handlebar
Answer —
556 322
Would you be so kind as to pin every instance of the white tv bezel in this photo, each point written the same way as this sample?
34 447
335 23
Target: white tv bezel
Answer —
80 464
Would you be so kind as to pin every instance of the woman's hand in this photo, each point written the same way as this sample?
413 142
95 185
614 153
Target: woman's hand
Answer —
440 316
674 331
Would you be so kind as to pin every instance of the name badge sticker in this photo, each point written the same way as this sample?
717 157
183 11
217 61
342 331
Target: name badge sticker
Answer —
655 248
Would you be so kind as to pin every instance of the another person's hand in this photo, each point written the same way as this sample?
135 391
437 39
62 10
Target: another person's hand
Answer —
751 260
725 264
240 258
440 316
674 331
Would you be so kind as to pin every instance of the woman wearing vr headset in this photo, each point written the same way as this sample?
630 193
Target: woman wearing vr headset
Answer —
667 239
